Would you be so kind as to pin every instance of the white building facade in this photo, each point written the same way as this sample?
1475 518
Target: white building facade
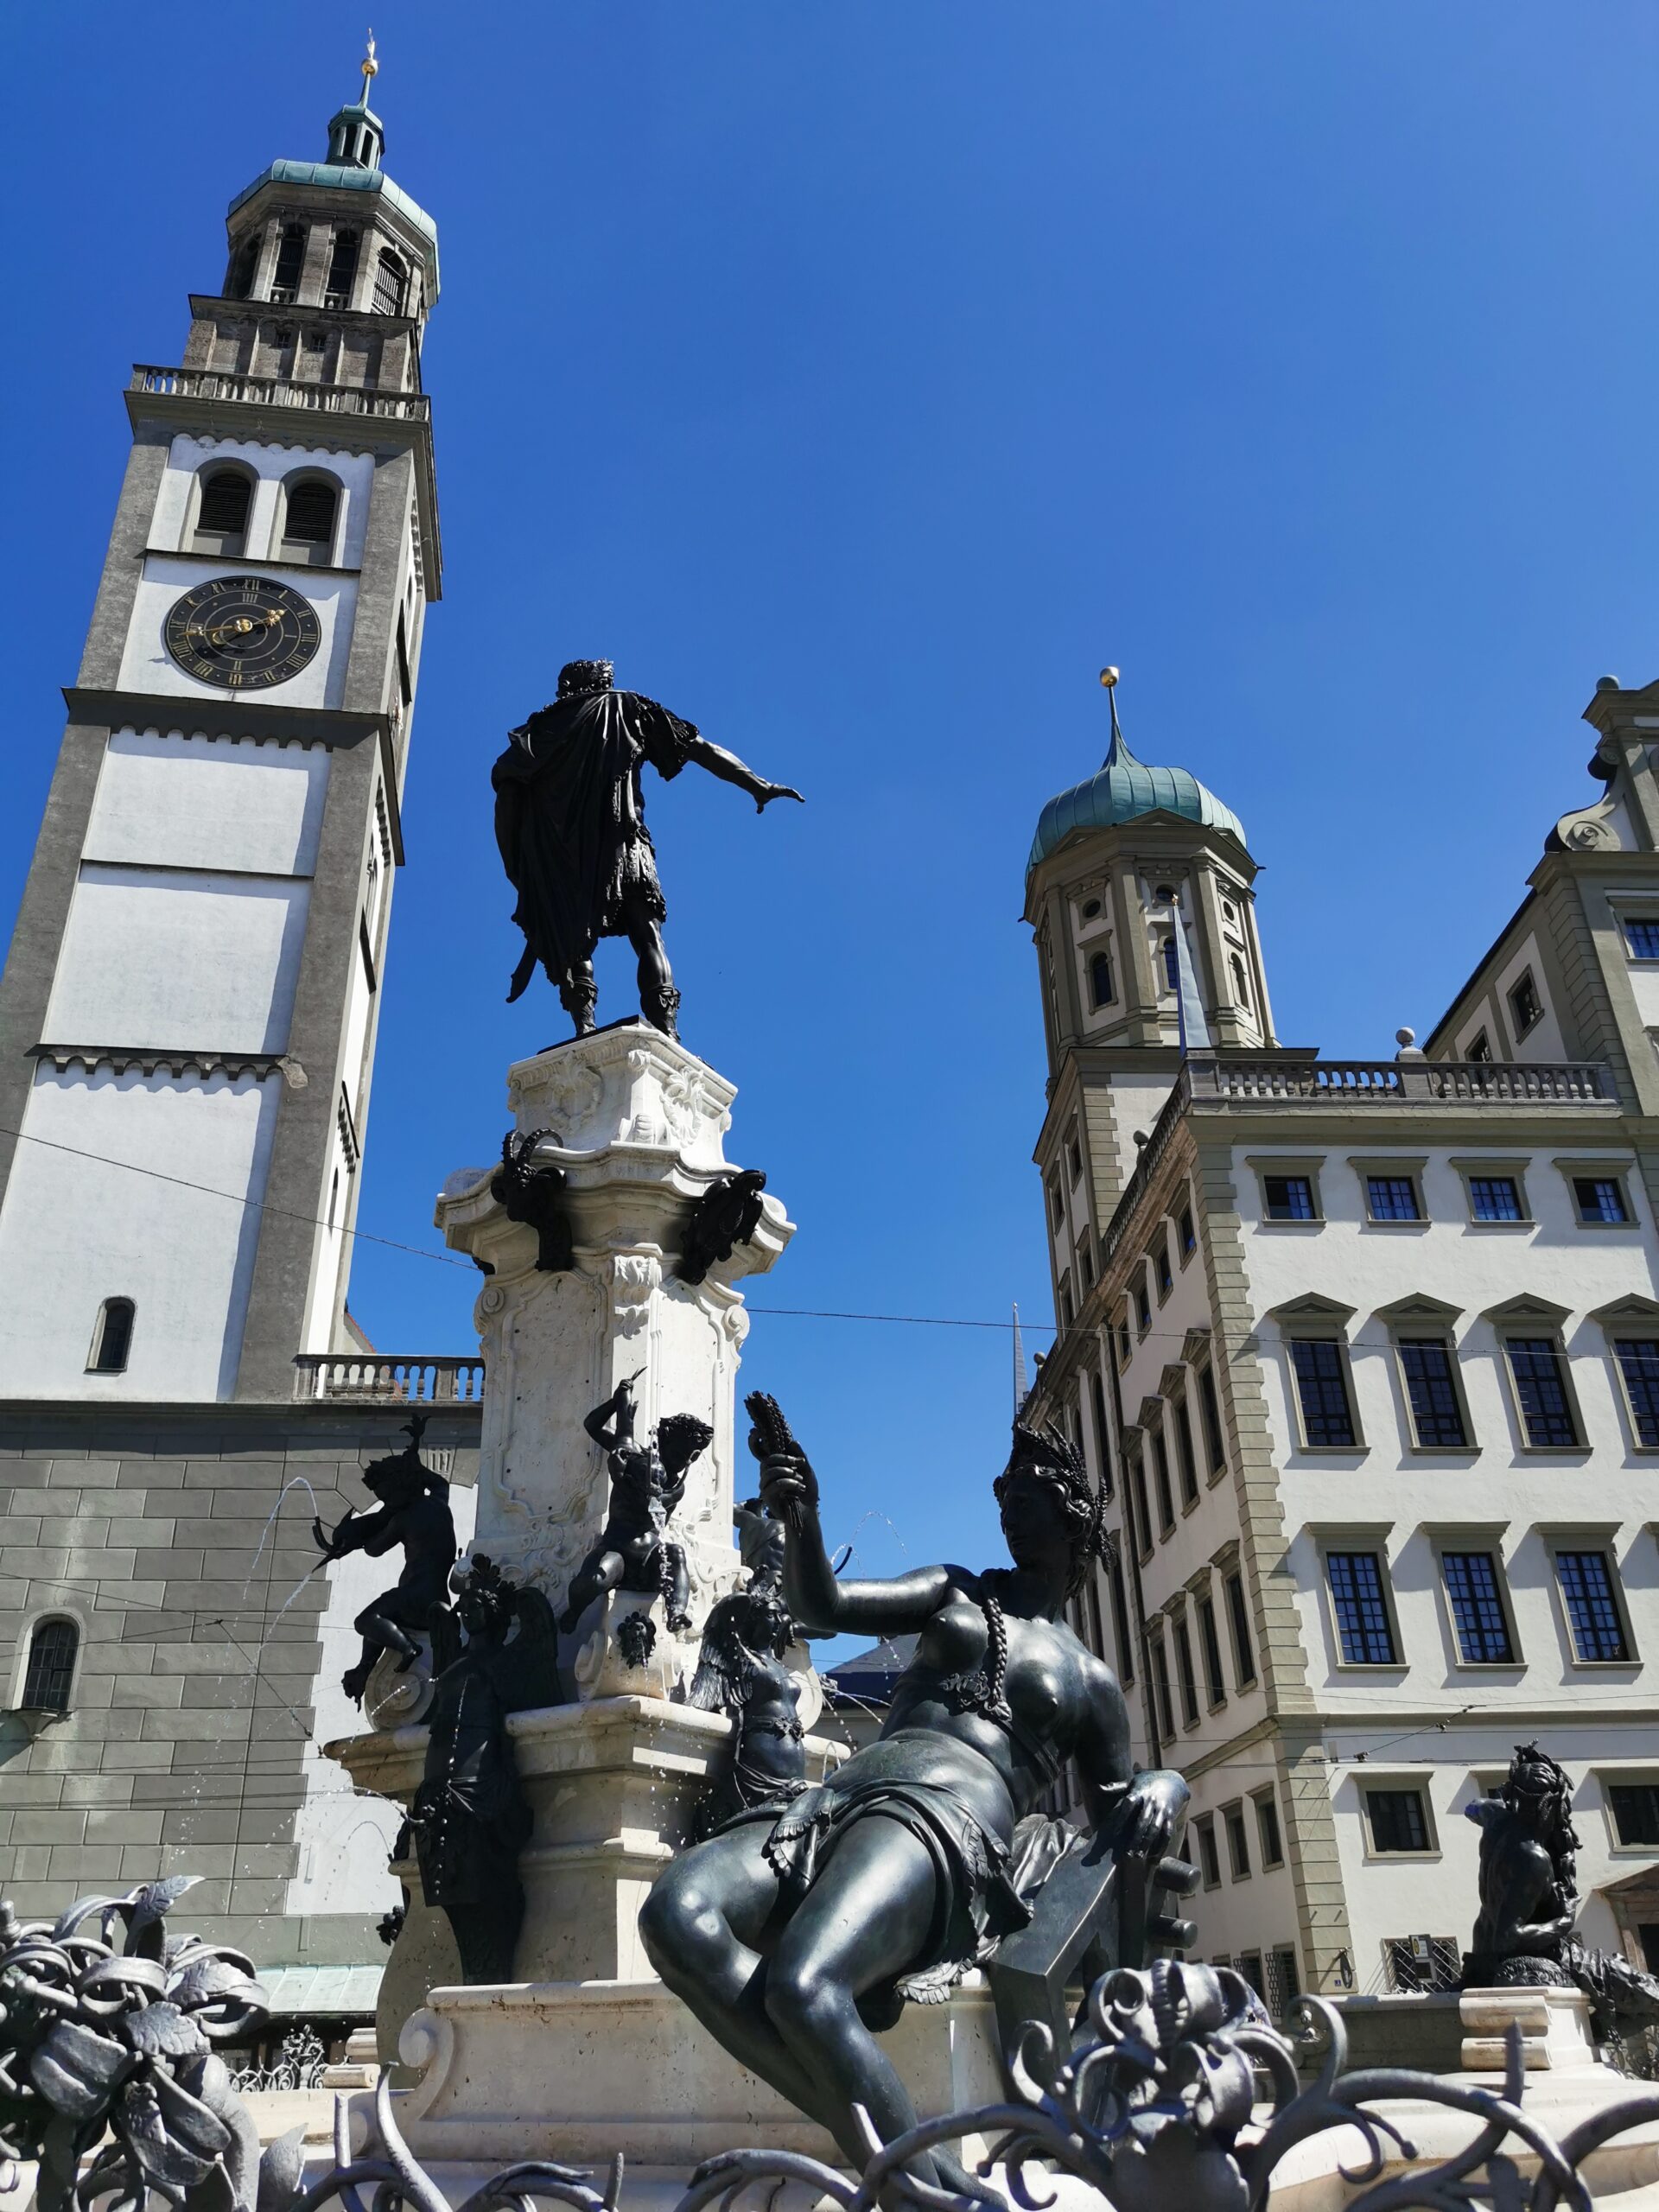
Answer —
1366 1357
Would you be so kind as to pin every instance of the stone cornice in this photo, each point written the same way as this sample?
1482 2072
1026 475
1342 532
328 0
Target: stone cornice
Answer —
153 1059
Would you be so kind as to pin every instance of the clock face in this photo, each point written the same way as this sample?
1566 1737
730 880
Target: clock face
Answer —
243 634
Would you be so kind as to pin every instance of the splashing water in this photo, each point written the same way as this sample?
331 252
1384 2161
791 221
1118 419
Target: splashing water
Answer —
294 1482
872 1515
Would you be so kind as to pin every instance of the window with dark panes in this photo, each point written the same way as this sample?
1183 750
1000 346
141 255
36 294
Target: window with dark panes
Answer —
1476 1598
1322 1392
1642 937
1289 1197
1525 1006
1209 1857
1189 1236
1638 1363
227 495
1161 1689
1160 1483
1238 1619
1142 1304
1392 1197
342 269
1599 1197
1495 1197
1480 1049
1184 1453
1102 1445
1432 1392
310 516
1138 1486
1585 1580
1364 1632
1214 1443
112 1339
51 1667
1160 1261
1102 987
291 260
1635 1811
1267 1824
1120 1620
1172 965
1540 1393
1238 1843
1185 1675
1398 1819
1210 1644
390 285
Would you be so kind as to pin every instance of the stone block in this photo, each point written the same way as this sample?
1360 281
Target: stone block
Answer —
188 1826
130 1757
55 1827
276 1862
89 1473
162 1691
32 1789
121 1825
161 1505
29 1864
142 1533
27 1503
226 1693
151 1474
105 1790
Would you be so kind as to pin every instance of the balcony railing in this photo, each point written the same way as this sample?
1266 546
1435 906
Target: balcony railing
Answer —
347 1378
280 391
1282 1080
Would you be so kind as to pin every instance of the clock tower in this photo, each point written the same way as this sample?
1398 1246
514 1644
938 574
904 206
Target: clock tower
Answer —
188 1013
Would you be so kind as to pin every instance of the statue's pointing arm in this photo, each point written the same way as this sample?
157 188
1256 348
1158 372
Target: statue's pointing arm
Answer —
669 744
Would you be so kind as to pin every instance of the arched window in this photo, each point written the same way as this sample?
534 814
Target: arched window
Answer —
309 512
112 1339
223 497
391 284
1171 963
1101 986
342 270
244 259
51 1667
290 261
1241 989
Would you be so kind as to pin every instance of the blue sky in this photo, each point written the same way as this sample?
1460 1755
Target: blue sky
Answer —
860 378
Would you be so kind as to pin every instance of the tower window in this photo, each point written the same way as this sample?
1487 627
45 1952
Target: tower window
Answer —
1171 963
342 269
1526 1008
51 1667
244 260
112 1339
223 501
391 284
1241 989
1642 935
1479 1048
309 520
291 260
1102 988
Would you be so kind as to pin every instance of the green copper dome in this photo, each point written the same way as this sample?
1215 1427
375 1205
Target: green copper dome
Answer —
1122 789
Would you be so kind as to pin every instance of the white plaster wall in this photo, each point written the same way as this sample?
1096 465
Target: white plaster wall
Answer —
1137 1101
1472 1267
346 1836
175 799
1645 988
1256 1914
78 1226
147 666
1435 1893
179 960
329 1251
269 464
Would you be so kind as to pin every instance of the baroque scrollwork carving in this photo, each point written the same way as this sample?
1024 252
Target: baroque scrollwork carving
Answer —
532 1193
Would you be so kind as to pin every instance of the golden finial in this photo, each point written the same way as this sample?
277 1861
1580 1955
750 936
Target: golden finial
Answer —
370 67
1109 678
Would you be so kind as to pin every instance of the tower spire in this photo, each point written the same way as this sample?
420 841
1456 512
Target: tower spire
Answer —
356 139
1117 750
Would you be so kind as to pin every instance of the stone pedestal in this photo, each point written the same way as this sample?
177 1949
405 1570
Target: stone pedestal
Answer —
637 1125
1554 2027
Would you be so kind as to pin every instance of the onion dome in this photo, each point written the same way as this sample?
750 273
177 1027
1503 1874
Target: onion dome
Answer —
1122 789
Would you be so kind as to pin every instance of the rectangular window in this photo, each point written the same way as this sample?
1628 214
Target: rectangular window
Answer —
1432 1392
1209 1857
1249 1965
1238 1843
1638 1363
1642 938
1495 1197
1143 1519
1165 1272
1476 1598
1592 1614
1161 1689
1398 1819
1074 1159
1284 1982
1161 1482
1526 1008
1142 1304
1289 1197
1210 1644
1392 1197
1187 1233
1364 1632
1322 1392
1120 1620
1097 1406
1186 1457
1635 1811
291 260
1068 1311
1238 1619
1184 1674
1480 1049
1056 1205
1267 1829
1599 1198
1213 1441
1540 1393
342 267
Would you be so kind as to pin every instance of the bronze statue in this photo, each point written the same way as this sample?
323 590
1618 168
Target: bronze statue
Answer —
470 1817
413 1511
647 1483
1529 1883
741 1672
793 1935
570 820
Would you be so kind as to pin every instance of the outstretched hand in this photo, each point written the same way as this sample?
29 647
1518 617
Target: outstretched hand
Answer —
1154 1805
767 792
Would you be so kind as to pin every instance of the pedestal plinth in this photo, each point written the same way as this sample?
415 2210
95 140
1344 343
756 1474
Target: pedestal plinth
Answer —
636 1125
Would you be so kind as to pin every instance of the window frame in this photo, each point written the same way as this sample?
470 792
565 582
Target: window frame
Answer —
307 553
1525 981
1633 1320
1210 1420
1187 1672
1272 1167
1238 1861
1584 1538
1240 1625
1095 957
1163 1271
1163 1699
1395 1168
1267 1800
1315 1320
228 546
1472 1168
1532 1320
72 1617
1622 1776
1203 1825
1629 920
1215 1671
1420 1320
1359 1537
100 1328
1186 1232
1187 1454
1574 1171
1397 1784
1467 1538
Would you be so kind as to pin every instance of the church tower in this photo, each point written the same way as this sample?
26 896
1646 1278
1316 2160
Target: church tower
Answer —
188 1014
